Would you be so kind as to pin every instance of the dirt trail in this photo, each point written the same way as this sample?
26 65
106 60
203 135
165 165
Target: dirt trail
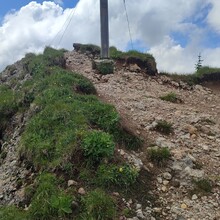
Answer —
195 143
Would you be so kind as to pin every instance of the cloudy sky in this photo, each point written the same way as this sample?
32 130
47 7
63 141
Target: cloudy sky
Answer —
174 31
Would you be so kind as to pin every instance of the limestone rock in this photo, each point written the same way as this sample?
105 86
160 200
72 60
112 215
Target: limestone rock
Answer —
81 191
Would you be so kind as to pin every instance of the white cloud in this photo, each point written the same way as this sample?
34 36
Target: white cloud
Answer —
152 22
213 17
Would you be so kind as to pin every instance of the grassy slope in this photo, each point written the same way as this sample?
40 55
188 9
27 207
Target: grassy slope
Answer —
205 73
72 135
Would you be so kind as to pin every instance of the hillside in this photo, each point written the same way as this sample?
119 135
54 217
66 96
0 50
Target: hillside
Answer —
126 145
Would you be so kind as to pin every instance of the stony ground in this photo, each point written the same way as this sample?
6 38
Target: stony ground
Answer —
195 142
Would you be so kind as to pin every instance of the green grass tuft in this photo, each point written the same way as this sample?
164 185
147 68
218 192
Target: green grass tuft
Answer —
203 186
98 145
117 54
170 97
12 213
159 155
116 175
99 206
48 201
164 127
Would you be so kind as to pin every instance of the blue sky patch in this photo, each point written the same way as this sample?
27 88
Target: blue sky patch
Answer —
180 38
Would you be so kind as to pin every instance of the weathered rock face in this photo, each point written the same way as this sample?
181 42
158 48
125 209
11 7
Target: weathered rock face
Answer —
147 66
135 64
11 172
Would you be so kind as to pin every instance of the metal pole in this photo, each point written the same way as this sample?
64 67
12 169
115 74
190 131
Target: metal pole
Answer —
104 29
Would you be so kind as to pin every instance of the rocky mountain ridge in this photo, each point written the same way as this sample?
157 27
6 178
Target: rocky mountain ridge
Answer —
194 142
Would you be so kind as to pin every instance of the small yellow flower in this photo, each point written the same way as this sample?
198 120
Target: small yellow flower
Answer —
120 169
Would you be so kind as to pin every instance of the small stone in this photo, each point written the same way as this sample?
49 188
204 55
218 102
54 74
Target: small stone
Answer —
81 191
205 147
167 176
193 136
26 208
134 68
164 188
164 213
165 182
72 183
75 205
130 201
157 210
116 194
138 206
140 214
183 206
122 152
194 197
159 180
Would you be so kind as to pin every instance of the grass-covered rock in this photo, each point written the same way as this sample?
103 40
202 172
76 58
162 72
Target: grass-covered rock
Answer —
68 134
145 62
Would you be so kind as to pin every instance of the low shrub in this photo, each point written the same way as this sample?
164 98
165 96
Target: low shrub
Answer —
170 97
159 155
164 127
113 175
104 67
98 145
98 206
203 186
